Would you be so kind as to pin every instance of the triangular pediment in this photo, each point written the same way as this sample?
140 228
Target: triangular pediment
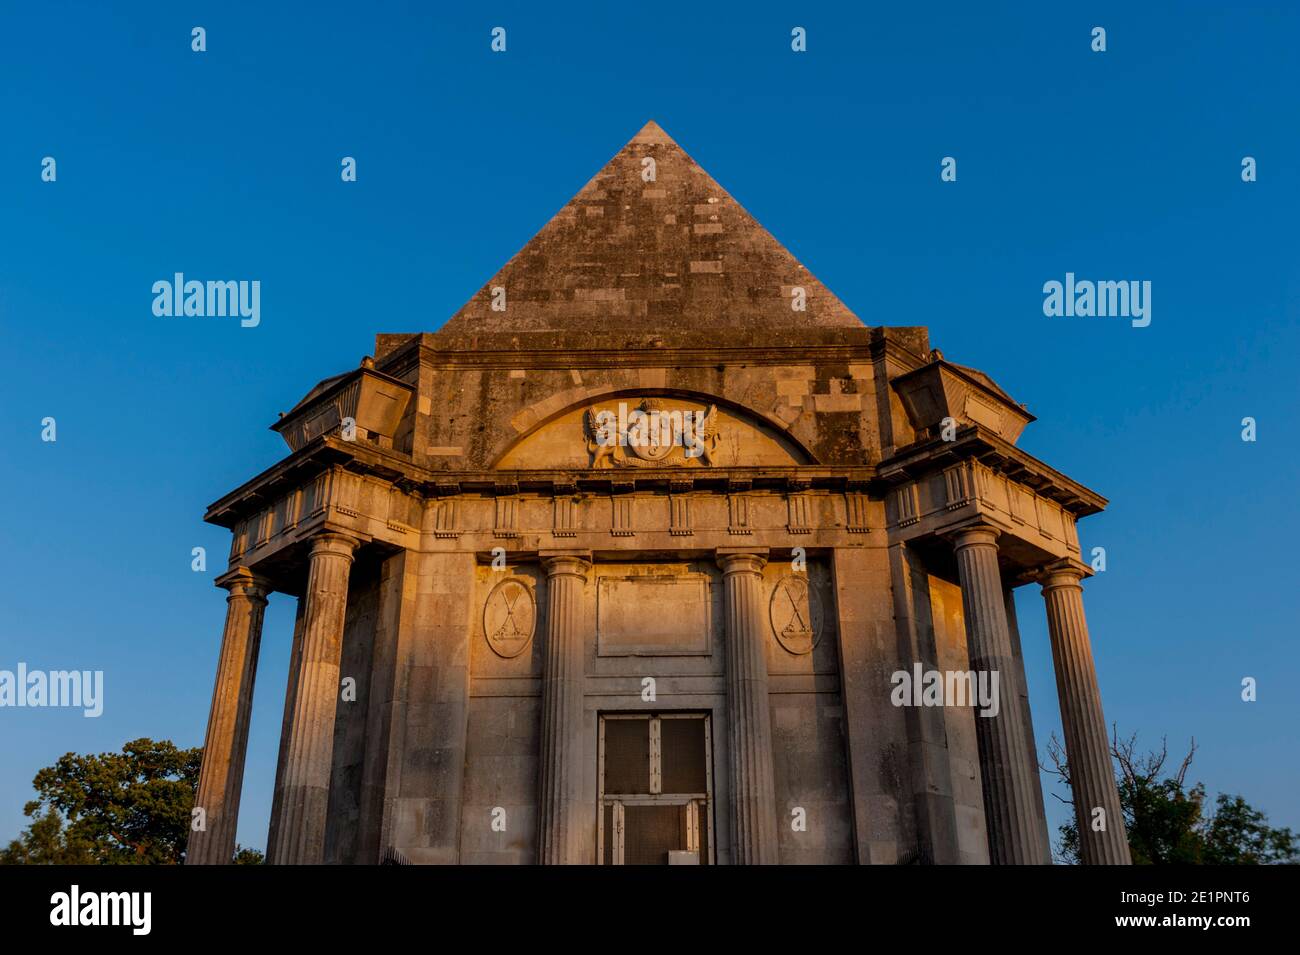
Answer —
651 246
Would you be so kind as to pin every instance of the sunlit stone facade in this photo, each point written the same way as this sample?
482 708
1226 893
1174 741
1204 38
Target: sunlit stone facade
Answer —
619 567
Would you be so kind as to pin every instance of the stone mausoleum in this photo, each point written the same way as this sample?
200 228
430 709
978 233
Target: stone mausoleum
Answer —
619 567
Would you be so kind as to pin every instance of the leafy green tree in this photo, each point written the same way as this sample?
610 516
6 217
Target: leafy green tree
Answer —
248 856
1167 821
1238 834
131 807
45 842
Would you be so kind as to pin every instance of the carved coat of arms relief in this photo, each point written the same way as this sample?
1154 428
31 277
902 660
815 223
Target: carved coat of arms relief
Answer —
651 435
795 609
509 617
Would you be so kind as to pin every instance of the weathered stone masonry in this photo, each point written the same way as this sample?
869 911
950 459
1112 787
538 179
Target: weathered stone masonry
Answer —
572 652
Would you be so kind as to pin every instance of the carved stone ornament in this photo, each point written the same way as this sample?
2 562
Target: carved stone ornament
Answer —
651 435
509 617
796 613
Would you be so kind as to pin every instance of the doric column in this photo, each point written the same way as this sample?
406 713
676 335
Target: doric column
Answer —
560 809
753 790
226 743
1008 772
1087 749
286 722
308 757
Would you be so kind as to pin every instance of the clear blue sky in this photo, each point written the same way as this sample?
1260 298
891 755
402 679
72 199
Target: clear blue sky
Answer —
226 165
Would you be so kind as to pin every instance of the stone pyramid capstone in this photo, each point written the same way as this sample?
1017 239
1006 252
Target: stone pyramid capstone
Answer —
677 253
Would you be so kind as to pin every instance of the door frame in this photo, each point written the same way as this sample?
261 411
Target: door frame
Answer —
700 801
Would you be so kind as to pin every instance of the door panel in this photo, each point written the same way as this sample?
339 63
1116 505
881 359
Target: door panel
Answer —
656 789
651 831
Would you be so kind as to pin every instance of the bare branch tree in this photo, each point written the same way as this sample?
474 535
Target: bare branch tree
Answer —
1060 766
1134 770
1187 762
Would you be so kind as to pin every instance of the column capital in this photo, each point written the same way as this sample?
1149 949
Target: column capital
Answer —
573 563
243 582
974 535
738 560
1061 573
334 543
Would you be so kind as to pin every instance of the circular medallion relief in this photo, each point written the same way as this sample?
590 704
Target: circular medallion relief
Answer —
651 437
509 617
796 613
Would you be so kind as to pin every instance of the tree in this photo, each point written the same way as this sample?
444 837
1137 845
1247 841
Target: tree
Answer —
1166 820
131 807
45 842
1240 835
248 856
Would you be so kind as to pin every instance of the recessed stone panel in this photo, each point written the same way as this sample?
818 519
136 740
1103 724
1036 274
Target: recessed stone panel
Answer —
653 616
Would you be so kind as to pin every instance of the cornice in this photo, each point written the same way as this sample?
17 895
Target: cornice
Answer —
564 359
560 352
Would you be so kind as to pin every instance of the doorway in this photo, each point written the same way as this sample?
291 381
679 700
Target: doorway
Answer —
656 789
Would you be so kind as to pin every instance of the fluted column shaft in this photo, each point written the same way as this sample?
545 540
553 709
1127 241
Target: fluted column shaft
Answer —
310 751
560 808
1008 773
226 743
1087 748
753 790
286 721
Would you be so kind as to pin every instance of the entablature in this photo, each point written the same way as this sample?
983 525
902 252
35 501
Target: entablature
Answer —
975 442
378 498
939 487
331 451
